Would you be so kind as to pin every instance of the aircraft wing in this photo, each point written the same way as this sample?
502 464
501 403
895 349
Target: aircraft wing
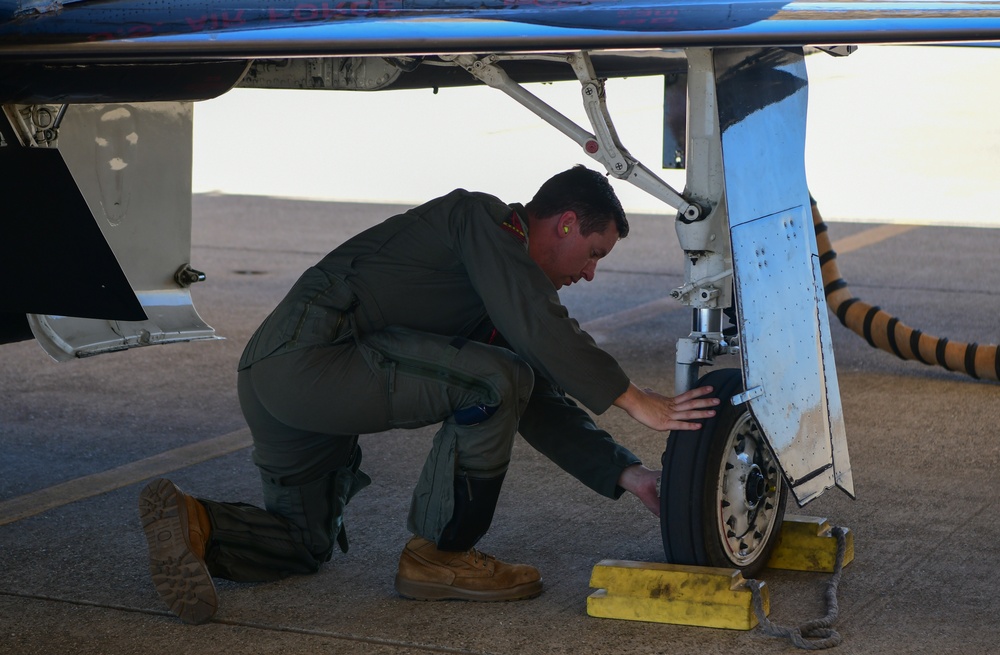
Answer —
80 30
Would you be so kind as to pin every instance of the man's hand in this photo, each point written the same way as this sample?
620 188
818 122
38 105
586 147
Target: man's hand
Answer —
641 481
665 413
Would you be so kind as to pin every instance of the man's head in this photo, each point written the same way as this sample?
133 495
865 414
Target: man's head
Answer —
575 219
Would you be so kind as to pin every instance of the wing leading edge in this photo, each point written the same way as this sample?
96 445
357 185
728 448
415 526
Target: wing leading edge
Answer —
195 30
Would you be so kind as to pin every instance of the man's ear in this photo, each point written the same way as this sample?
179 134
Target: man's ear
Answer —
567 222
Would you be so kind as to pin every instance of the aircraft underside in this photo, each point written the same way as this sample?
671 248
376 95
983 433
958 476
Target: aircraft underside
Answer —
119 157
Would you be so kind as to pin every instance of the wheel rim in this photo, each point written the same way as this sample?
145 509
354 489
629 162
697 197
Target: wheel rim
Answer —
748 493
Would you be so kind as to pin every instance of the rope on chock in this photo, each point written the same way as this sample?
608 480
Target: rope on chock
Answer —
817 634
886 332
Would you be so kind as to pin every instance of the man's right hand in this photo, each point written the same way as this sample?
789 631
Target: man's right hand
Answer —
663 413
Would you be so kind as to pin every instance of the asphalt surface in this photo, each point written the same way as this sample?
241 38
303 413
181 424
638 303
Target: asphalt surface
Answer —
78 441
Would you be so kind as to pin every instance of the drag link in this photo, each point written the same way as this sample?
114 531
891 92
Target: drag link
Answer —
602 145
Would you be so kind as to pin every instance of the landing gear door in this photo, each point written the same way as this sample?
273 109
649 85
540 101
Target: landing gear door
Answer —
786 350
132 164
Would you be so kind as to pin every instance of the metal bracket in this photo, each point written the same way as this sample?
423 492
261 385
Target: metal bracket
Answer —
838 50
46 123
186 276
747 395
14 130
682 293
31 126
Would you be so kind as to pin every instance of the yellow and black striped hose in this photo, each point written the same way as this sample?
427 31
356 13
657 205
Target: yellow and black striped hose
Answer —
881 330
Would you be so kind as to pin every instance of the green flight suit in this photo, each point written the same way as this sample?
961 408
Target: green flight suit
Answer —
382 334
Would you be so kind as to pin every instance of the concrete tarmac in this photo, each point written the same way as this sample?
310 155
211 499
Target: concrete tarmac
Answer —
79 440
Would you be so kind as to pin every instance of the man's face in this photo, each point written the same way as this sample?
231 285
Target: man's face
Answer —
571 256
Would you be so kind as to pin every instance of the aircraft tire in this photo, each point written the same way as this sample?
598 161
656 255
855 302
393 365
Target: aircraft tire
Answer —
722 495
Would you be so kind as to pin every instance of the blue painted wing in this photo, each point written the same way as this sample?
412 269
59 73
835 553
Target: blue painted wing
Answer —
195 30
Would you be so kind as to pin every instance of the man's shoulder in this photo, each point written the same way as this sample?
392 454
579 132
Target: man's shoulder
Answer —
515 225
487 200
463 200
462 206
509 218
469 211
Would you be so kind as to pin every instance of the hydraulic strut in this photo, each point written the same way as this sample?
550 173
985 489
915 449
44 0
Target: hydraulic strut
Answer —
602 144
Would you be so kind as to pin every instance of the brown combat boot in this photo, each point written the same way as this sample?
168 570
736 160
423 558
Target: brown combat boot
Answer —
177 531
426 573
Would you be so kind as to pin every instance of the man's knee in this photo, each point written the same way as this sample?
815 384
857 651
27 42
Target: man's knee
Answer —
513 389
518 380
317 507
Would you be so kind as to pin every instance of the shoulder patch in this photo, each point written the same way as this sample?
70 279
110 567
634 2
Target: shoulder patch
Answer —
513 225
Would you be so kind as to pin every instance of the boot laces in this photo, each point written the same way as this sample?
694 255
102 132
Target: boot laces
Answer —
478 555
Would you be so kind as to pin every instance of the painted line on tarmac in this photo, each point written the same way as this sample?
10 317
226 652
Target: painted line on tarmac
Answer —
869 237
71 491
88 486
409 646
601 328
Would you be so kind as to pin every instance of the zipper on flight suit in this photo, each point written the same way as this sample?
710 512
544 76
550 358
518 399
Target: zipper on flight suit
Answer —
431 372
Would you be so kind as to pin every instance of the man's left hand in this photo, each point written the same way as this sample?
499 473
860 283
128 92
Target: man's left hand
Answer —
642 482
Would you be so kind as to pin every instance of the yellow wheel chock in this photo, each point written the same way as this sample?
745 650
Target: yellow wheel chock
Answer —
706 596
806 544
673 593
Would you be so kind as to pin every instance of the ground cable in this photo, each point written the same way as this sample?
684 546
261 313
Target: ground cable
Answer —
817 634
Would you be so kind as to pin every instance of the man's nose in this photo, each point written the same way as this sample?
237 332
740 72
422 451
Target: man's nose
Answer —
588 272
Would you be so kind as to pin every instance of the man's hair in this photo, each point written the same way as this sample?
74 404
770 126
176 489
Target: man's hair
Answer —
585 192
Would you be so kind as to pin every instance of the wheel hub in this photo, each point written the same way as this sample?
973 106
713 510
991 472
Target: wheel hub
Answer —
749 488
756 486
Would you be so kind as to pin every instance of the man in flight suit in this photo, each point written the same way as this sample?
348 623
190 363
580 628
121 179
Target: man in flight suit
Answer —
447 313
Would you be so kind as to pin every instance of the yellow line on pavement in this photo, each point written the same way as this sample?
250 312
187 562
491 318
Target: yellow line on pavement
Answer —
869 237
71 491
599 328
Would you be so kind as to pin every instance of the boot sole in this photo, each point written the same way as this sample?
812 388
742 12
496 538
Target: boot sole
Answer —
180 577
415 590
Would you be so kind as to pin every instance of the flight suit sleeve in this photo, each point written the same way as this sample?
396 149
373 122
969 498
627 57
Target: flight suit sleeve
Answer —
562 431
524 306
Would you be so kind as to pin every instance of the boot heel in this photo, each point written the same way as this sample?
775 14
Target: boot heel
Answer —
180 577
